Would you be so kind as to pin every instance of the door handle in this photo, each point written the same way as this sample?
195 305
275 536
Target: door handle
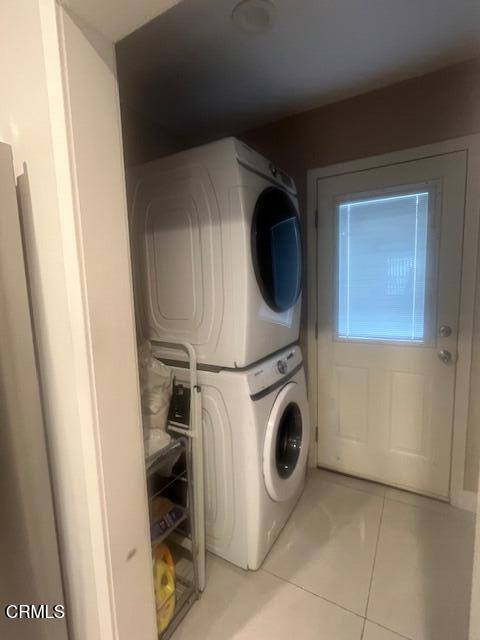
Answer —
445 356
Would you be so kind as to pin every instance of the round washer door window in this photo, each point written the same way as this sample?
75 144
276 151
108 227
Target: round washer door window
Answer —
277 249
286 443
289 441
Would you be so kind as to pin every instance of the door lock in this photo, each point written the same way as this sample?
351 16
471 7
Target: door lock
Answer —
445 356
445 331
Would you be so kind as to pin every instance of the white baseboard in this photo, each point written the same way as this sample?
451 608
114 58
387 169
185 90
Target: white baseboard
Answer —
465 500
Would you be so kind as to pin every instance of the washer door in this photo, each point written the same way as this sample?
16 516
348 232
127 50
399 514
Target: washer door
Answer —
286 443
277 249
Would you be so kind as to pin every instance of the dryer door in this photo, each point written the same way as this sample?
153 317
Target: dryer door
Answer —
286 443
277 249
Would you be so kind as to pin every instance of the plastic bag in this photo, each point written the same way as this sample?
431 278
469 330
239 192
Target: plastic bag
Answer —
155 440
155 389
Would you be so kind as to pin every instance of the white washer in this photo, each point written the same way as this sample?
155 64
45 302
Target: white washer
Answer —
216 246
256 439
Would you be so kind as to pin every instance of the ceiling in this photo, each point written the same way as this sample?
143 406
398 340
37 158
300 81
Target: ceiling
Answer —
197 75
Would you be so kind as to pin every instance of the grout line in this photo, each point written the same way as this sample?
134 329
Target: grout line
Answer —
457 513
312 593
388 629
349 476
359 489
386 488
363 628
339 483
457 516
375 556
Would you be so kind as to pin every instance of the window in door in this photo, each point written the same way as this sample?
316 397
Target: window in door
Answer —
382 267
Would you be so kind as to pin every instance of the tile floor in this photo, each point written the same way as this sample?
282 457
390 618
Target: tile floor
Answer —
356 561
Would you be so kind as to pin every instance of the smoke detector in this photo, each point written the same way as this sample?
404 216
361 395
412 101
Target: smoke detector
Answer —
254 16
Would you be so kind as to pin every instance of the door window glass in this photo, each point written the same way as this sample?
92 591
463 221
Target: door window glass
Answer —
382 267
276 249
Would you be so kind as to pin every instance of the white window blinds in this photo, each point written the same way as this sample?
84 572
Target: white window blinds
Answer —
382 258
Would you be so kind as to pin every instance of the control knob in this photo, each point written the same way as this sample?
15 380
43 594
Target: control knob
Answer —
282 366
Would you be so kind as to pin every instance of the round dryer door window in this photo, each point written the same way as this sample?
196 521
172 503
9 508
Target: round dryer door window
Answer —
286 443
277 249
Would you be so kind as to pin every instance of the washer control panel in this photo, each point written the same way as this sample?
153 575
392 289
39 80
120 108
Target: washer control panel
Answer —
273 370
282 366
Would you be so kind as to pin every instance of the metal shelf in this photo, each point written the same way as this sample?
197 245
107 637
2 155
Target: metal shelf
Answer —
159 539
176 473
180 477
163 458
186 596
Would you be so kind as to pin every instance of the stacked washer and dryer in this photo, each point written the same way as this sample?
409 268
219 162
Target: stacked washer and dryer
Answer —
217 259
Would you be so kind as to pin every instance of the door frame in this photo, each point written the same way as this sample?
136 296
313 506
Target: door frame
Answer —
459 497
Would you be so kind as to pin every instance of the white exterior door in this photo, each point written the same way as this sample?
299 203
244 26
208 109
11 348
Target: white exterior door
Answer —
389 269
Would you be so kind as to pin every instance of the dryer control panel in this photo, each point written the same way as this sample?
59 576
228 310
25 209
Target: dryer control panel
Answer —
257 163
270 372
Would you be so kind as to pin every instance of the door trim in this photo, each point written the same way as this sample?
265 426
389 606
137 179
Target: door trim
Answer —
471 144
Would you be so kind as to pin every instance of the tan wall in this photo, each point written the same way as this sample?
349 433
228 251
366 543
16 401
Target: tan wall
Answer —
144 140
475 600
472 459
424 110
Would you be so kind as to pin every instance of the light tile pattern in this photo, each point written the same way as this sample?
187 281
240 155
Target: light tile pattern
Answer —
347 481
373 631
356 561
333 534
429 556
427 503
256 606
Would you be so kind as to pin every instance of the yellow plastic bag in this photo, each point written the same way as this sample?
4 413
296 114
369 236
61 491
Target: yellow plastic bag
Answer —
164 583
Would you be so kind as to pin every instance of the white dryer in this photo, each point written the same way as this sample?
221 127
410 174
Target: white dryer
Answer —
256 440
216 247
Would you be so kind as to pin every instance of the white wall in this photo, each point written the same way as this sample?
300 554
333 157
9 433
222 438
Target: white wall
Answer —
26 123
29 555
71 181
102 227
